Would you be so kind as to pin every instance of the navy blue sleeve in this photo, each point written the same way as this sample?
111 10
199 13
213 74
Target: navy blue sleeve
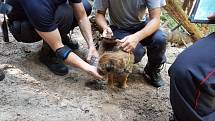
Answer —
40 14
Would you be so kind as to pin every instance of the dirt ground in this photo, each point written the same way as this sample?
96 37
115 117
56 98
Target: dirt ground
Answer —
30 92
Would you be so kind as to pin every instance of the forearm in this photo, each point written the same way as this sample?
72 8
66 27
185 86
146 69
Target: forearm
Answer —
53 39
76 61
149 29
85 28
101 21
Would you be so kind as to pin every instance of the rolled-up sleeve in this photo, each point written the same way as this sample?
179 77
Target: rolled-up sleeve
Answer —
101 5
40 14
152 4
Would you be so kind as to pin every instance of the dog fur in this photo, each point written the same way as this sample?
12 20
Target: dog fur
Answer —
114 63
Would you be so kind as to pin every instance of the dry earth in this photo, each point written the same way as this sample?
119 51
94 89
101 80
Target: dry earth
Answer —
30 92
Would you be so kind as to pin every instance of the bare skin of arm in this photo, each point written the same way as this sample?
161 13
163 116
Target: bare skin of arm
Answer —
101 21
85 27
53 39
128 43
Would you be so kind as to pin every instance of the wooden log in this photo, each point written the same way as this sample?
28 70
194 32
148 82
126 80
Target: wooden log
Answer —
175 10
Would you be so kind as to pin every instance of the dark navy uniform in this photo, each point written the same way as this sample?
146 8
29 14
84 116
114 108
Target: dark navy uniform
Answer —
192 82
43 15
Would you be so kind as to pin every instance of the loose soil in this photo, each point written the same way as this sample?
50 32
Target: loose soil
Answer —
30 92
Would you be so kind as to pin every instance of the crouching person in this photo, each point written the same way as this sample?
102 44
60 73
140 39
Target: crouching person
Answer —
192 82
127 23
52 20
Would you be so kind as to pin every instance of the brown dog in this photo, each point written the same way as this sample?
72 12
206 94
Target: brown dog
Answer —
114 63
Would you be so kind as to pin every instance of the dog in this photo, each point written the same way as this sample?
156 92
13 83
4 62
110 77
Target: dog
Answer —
114 63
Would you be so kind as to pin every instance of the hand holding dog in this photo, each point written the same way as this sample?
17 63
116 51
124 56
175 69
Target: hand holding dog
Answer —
107 33
129 43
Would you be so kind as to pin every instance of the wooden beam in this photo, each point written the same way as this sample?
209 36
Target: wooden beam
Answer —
175 10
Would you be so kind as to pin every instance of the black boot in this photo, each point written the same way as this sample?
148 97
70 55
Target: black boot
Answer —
71 44
153 71
48 58
2 75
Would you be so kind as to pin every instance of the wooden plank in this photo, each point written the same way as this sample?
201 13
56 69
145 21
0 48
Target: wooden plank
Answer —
175 10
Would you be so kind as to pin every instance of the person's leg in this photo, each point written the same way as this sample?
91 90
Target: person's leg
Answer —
192 82
156 48
17 12
68 22
64 17
20 32
87 7
139 51
19 25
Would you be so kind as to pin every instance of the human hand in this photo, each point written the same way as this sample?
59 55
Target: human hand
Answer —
212 16
93 71
92 56
107 33
129 43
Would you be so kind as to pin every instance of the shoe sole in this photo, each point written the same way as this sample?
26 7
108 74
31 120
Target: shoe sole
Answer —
59 74
149 80
56 73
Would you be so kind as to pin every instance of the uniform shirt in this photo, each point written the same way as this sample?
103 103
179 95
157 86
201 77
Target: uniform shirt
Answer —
127 13
41 13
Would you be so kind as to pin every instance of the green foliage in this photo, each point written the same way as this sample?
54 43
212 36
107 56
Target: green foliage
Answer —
211 28
171 23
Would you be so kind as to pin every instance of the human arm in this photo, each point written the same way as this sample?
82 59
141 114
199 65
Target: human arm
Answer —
85 27
131 41
54 41
42 17
102 23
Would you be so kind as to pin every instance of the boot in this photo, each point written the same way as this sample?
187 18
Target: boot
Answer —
153 71
48 58
2 75
71 44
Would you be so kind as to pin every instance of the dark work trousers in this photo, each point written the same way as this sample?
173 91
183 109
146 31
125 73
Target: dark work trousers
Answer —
48 17
192 86
155 44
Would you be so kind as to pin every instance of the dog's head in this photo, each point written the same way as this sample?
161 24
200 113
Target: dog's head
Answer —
115 62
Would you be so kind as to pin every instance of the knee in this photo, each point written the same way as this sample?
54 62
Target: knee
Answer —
160 38
87 7
23 31
139 52
64 13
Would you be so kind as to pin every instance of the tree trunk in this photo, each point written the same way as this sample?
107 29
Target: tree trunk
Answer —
176 11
